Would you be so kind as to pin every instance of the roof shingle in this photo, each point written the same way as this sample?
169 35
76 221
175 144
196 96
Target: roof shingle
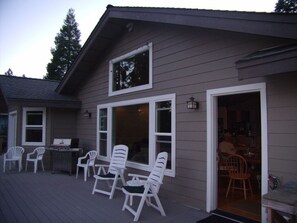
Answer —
20 89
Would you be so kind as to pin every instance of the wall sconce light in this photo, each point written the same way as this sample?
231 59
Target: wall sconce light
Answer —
130 27
192 104
87 114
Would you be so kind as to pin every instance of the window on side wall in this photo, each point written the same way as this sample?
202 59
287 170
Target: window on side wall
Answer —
131 72
146 126
34 125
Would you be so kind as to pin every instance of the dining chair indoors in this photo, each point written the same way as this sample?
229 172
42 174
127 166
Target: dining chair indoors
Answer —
86 162
35 156
14 154
149 188
238 175
115 171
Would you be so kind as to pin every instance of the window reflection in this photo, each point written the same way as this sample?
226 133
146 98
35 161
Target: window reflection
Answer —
131 72
131 128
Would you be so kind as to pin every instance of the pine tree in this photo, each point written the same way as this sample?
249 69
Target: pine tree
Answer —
67 47
286 6
9 72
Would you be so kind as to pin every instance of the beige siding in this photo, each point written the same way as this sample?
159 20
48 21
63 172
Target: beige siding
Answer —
187 62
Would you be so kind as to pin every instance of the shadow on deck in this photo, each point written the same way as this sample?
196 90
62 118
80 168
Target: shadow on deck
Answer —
46 197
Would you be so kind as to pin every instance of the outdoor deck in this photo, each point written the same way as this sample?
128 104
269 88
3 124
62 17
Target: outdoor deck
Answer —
46 197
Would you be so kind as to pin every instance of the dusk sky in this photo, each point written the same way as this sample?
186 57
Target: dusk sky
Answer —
28 27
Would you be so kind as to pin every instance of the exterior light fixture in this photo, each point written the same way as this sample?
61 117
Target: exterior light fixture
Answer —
192 104
87 114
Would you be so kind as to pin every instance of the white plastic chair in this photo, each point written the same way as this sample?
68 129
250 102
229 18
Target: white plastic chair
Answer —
35 156
13 154
87 162
149 189
115 170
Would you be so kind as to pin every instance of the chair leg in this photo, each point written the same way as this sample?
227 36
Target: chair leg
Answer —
230 181
95 185
42 165
131 200
249 181
4 164
244 189
86 170
113 186
233 186
126 201
123 180
20 165
77 167
26 165
35 166
159 205
140 206
94 171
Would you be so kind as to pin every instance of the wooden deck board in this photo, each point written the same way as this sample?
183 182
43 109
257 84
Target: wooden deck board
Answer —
53 198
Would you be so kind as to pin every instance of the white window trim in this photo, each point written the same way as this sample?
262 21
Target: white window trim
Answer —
152 134
133 89
25 126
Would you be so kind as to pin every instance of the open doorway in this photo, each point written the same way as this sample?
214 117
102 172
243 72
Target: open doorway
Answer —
239 127
213 139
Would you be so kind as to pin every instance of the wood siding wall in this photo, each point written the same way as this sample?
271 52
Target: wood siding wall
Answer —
186 61
282 126
61 124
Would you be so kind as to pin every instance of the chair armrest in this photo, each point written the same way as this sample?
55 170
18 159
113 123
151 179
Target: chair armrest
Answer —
81 158
137 176
101 167
29 154
5 155
137 179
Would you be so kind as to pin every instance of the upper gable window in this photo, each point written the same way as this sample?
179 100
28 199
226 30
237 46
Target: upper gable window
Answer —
131 72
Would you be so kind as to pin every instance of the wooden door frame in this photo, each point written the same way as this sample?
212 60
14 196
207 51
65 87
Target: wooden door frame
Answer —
212 139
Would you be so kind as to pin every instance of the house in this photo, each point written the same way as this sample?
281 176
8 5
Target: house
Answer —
135 75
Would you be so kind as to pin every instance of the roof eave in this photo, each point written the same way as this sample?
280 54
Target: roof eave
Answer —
44 103
267 24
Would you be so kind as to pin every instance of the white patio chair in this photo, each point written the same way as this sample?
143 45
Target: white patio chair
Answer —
12 155
87 162
148 187
35 156
115 170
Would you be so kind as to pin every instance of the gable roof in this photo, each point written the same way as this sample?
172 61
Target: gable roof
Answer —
34 92
115 20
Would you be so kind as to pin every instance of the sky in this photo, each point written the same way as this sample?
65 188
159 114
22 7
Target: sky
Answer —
28 27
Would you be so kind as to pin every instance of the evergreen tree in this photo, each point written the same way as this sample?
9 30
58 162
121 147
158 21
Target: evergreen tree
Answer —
286 6
8 72
67 47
